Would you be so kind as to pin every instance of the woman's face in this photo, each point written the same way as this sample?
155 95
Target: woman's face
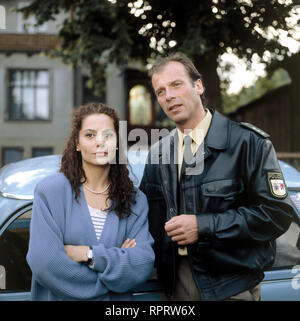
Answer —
97 140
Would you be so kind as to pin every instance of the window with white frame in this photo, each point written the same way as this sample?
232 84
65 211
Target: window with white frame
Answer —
28 94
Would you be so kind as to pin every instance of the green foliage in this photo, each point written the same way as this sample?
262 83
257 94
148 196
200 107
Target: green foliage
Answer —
99 31
263 85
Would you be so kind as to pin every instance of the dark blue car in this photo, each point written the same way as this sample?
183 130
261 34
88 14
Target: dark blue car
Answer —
17 183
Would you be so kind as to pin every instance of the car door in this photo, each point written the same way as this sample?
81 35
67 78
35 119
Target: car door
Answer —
15 274
282 281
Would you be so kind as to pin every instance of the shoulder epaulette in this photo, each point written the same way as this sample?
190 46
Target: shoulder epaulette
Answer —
255 129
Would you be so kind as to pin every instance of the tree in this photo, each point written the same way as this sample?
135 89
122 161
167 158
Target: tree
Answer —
261 87
96 32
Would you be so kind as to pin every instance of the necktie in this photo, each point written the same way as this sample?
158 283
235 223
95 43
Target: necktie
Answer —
187 160
187 153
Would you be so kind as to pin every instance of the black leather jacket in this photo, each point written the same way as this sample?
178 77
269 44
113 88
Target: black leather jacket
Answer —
238 210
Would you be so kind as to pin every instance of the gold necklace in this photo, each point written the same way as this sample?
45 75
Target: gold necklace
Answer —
96 192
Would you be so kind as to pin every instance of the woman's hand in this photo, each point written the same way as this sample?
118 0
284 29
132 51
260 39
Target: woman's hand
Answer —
77 253
128 243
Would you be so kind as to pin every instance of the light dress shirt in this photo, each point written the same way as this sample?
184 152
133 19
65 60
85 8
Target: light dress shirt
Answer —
198 134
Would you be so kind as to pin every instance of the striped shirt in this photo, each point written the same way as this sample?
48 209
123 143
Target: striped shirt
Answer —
98 219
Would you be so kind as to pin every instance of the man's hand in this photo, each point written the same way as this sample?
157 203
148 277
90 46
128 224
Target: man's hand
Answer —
183 229
77 253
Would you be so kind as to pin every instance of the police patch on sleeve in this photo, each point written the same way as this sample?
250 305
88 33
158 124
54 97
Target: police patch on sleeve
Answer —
277 185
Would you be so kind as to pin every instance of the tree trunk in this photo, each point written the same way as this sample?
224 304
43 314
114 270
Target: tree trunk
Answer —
207 66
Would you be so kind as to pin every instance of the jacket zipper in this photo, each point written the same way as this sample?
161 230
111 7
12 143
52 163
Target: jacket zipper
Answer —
169 209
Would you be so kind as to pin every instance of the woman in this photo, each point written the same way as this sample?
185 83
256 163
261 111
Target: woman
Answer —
89 235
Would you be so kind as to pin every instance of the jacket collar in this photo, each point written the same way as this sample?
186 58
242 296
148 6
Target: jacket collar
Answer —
218 133
216 137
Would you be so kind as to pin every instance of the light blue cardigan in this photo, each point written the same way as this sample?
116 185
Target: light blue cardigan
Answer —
58 219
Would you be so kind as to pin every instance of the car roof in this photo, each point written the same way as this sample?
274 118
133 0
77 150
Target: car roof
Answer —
18 180
291 175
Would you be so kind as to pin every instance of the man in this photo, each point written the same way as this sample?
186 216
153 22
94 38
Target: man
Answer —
215 225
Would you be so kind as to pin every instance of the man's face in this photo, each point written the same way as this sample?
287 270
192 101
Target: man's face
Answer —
177 95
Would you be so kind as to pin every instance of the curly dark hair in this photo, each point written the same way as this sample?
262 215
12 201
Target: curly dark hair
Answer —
121 189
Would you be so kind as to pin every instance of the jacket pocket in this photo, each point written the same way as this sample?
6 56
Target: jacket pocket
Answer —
225 188
222 194
237 258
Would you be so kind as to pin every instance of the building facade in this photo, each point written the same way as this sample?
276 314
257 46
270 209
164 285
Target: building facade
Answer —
37 93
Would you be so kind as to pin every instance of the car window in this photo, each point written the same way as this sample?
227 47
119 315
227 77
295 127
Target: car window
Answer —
15 274
288 248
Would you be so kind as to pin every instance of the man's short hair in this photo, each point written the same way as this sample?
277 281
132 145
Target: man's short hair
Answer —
180 57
